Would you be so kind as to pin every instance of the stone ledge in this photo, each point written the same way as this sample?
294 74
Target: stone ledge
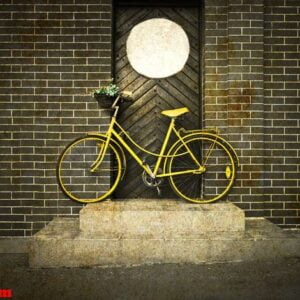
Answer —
159 218
15 245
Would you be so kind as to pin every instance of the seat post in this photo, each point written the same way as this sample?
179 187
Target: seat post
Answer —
164 146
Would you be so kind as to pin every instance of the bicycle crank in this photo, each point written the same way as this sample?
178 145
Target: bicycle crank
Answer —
152 182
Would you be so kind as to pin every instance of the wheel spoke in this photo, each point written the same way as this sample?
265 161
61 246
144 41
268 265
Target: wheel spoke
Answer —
74 170
201 188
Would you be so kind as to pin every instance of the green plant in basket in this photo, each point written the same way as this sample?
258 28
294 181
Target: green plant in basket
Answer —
106 94
111 90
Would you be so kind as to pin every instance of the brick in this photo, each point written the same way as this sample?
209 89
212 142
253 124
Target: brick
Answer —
257 213
279 213
12 233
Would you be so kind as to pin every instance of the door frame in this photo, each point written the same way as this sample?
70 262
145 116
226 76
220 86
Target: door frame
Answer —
198 4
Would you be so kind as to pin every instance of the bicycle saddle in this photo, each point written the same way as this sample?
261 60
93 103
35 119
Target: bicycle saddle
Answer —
173 113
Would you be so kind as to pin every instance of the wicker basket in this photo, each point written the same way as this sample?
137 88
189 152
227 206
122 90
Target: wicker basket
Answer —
104 100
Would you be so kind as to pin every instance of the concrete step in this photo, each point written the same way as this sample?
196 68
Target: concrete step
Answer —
62 244
155 218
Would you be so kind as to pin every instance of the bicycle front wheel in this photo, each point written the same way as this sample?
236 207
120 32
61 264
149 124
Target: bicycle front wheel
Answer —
76 176
210 184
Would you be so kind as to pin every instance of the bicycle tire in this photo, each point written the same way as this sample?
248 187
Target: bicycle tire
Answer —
198 188
74 173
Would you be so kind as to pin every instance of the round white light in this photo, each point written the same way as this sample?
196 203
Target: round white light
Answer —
157 48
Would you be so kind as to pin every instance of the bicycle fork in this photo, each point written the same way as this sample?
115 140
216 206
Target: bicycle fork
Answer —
100 157
102 149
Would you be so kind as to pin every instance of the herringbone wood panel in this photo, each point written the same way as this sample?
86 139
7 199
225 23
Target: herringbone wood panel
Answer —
142 117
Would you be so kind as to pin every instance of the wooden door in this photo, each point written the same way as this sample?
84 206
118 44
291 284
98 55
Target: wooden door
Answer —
142 117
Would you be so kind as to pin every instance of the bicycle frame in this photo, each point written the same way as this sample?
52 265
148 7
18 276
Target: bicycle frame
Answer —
111 132
174 160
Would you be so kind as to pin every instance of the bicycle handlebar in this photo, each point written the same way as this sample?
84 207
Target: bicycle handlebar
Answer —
116 102
125 95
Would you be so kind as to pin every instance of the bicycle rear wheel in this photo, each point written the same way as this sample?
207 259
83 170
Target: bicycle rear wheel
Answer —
207 186
75 170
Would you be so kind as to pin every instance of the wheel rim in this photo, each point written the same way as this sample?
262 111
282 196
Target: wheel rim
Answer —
77 180
212 184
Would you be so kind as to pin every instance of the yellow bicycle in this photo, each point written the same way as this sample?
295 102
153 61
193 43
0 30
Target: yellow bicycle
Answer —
200 164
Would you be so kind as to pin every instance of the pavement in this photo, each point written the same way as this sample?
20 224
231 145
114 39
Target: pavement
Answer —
276 279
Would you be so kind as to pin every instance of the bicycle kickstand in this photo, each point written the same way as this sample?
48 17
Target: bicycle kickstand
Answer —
158 191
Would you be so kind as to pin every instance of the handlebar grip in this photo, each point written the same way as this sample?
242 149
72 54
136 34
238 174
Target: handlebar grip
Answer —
126 95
